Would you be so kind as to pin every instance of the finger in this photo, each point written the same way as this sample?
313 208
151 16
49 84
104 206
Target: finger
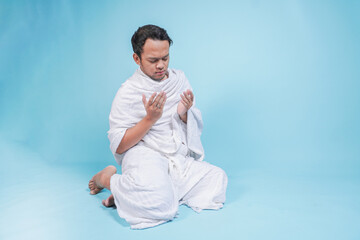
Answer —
156 101
185 99
185 104
191 94
151 99
188 97
188 106
144 100
163 103
161 100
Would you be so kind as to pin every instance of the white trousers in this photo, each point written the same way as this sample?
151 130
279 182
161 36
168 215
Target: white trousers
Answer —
153 185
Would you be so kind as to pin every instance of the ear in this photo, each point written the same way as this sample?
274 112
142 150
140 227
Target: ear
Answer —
136 58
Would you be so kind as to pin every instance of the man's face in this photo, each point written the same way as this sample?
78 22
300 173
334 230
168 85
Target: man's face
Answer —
154 59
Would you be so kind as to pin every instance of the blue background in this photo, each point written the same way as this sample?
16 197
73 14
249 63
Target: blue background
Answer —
277 83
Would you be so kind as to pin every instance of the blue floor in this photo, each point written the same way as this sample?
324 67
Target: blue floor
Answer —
41 200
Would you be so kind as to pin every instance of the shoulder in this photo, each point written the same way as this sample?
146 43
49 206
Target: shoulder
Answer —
176 71
124 88
128 82
179 74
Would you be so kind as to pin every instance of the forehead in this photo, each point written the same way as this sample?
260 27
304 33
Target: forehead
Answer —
155 48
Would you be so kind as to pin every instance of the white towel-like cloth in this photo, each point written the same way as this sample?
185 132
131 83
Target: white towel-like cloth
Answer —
165 135
165 169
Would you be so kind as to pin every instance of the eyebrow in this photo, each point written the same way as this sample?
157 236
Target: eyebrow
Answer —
154 58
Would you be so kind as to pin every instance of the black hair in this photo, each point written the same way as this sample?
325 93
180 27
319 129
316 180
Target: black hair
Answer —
145 32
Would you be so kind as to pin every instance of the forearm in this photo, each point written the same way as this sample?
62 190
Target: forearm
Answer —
134 135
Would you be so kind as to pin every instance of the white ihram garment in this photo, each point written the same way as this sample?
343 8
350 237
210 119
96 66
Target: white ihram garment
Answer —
165 169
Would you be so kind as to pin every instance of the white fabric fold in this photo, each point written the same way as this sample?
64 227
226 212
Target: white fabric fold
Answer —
165 168
166 134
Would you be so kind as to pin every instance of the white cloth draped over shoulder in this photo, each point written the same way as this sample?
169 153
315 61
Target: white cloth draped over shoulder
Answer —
165 169
168 133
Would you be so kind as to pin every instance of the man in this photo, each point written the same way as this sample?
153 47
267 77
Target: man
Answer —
155 136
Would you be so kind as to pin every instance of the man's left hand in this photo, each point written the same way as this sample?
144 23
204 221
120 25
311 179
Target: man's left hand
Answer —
186 102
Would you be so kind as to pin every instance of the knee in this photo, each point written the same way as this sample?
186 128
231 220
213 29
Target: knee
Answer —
220 175
165 205
165 198
161 201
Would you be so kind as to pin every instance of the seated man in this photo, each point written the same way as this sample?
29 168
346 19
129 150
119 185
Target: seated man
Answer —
156 140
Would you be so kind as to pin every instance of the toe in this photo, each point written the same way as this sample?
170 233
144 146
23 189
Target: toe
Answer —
95 190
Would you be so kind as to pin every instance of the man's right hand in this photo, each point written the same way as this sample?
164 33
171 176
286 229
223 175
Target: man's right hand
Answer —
154 107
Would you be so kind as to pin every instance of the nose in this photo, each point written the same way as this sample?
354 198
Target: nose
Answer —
160 65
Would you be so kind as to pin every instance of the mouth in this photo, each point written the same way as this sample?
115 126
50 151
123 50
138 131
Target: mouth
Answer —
160 73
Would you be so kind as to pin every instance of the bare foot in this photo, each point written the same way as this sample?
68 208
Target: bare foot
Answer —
109 202
96 184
